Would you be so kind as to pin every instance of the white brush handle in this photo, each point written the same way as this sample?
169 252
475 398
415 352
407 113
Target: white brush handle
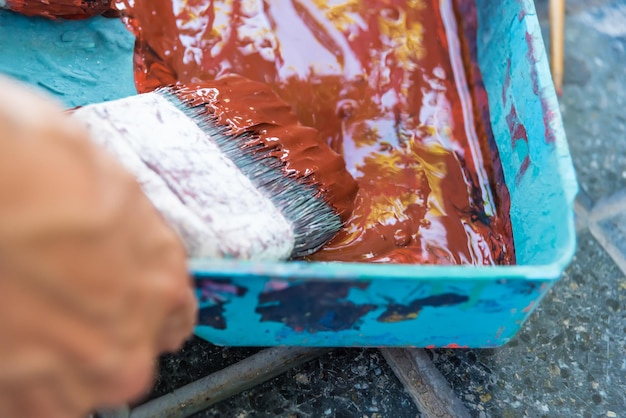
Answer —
213 206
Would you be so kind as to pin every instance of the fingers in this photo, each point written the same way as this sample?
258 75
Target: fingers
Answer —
179 325
45 398
40 399
46 389
167 283
132 382
93 283
21 105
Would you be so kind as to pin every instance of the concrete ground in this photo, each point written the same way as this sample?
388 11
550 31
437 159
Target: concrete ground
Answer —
570 358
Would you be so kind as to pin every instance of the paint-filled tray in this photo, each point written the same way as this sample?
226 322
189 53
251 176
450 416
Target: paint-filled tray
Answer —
362 304
371 304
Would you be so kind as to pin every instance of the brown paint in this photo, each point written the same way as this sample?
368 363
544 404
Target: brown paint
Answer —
501 229
67 9
376 79
248 106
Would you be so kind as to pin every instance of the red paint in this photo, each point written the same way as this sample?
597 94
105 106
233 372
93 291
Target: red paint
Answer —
455 345
522 170
532 58
549 116
429 347
518 132
375 79
66 9
546 109
523 10
507 81
499 332
467 18
529 307
246 106
516 127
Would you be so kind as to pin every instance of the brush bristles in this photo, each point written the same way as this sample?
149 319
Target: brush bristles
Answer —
314 221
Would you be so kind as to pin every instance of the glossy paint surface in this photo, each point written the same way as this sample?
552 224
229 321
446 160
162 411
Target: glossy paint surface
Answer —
383 82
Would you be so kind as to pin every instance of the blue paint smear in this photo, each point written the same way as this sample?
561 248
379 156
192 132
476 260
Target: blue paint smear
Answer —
79 62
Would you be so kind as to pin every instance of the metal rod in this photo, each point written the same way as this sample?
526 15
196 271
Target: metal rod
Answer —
428 388
221 385
557 27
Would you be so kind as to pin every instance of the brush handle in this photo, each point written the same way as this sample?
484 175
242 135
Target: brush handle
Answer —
557 23
214 207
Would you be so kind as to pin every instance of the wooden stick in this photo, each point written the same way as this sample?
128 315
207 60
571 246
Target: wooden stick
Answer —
557 23
428 388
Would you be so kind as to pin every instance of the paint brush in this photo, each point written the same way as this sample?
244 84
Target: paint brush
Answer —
229 167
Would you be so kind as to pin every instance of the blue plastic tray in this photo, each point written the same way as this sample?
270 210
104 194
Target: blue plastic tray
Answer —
353 304
357 304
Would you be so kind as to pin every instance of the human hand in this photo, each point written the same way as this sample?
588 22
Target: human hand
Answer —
93 283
